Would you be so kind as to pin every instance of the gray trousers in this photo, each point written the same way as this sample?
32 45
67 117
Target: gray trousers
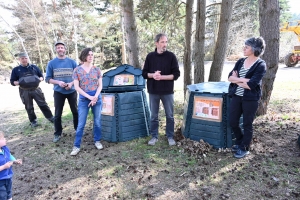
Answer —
168 103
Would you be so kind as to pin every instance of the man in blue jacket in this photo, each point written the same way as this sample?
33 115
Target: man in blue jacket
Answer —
161 69
59 73
28 77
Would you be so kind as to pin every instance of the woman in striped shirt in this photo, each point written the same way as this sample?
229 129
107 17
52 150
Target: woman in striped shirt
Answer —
247 74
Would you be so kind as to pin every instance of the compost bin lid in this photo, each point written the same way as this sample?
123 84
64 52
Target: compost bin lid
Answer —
209 87
123 78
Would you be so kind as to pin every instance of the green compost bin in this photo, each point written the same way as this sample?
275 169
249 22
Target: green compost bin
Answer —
125 112
206 114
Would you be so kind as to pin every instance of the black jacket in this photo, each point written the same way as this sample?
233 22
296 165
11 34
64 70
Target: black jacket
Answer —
167 64
18 72
255 74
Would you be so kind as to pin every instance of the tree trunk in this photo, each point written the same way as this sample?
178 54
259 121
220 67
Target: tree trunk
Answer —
220 49
39 49
187 61
269 12
40 61
41 27
123 50
74 32
131 34
199 42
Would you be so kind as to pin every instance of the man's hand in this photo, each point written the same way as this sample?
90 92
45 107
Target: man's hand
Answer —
68 86
157 75
62 84
16 82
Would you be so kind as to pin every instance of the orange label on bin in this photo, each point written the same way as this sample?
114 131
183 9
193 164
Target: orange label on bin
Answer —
208 108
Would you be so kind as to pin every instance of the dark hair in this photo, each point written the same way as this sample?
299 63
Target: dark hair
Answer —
158 36
258 45
84 54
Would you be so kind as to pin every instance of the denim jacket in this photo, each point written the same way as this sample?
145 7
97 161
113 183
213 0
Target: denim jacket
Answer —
255 74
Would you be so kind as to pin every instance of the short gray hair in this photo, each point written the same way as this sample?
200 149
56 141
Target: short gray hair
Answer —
160 35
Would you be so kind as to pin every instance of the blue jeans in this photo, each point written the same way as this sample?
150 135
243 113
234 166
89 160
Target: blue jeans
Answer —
168 103
83 111
5 189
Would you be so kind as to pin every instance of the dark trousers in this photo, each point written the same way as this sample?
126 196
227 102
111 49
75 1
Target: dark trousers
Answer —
27 97
239 107
59 102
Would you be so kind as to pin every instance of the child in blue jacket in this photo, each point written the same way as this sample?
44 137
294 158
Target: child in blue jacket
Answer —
6 173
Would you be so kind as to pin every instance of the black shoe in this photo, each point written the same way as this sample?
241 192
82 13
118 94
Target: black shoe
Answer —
51 119
34 123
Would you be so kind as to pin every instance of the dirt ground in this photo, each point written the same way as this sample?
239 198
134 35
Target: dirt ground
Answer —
134 170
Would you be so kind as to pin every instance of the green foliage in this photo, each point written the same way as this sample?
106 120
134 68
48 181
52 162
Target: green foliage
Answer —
285 15
5 47
91 23
161 16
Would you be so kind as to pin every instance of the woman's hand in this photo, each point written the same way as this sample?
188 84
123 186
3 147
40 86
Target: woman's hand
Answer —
234 74
92 103
94 100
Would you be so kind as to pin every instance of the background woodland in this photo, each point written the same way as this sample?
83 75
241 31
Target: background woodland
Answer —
123 31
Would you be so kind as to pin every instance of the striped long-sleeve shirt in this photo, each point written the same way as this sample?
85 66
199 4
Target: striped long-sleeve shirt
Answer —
242 74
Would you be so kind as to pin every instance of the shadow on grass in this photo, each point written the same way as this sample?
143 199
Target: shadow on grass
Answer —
134 170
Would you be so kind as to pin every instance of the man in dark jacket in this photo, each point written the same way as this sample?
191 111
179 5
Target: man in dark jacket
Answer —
161 69
28 77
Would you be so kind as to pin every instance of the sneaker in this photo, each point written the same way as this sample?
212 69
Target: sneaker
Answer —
152 141
241 153
171 142
51 119
235 148
98 145
75 151
56 138
34 123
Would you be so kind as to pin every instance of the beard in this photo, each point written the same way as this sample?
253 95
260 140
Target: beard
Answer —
61 53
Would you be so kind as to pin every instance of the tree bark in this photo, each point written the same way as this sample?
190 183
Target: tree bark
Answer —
187 59
131 34
269 13
40 60
74 32
199 42
41 27
221 44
